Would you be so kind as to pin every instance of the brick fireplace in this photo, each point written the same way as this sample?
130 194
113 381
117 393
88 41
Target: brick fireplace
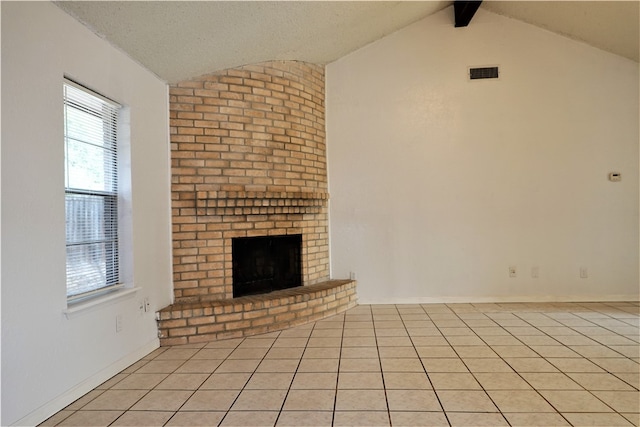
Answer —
248 157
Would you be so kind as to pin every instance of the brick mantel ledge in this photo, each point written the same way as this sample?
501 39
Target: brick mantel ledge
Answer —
204 320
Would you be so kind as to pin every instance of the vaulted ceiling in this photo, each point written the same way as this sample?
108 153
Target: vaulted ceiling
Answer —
178 40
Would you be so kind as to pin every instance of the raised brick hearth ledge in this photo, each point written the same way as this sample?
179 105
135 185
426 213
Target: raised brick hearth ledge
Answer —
209 320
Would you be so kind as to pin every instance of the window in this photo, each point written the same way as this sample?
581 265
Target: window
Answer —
91 192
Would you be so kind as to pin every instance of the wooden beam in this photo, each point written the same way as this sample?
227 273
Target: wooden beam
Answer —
464 11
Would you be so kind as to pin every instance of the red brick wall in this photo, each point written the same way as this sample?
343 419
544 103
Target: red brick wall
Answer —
248 159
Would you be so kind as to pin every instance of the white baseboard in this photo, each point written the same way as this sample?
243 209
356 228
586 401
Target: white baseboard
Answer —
510 299
70 396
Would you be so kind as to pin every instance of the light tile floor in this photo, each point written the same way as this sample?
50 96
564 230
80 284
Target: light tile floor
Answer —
403 365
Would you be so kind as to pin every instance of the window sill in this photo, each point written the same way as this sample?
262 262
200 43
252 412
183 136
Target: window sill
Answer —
80 307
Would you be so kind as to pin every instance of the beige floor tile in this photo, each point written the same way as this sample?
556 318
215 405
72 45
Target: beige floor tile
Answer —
310 400
595 351
285 353
358 325
425 332
361 400
143 418
360 365
487 365
325 342
574 401
112 400
182 382
440 351
519 401
270 380
550 381
297 332
401 365
305 418
318 365
433 365
216 353
618 364
246 353
162 400
140 382
361 419
570 364
476 419
250 419
160 367
322 353
397 352
91 418
475 351
178 353
257 342
507 351
530 364
554 351
56 418
634 419
79 403
112 381
358 342
466 401
399 332
406 381
627 350
389 324
632 379
290 342
314 380
277 365
454 381
427 341
259 400
538 340
536 420
238 365
418 419
500 340
600 381
329 325
412 400
462 340
326 333
359 332
228 343
501 381
226 381
621 401
493 331
457 332
599 420
360 380
203 366
205 419
393 341
135 366
359 353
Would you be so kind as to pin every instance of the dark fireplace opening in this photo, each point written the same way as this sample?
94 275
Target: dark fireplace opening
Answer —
265 264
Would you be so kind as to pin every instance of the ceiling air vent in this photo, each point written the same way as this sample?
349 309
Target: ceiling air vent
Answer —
483 73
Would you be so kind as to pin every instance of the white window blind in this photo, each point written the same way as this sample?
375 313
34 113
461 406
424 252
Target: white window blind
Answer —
91 191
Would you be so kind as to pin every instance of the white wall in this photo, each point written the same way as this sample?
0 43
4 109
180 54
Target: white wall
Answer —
439 184
47 359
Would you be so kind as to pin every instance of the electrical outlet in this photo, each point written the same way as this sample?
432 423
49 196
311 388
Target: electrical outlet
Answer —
584 272
512 271
118 322
147 305
535 272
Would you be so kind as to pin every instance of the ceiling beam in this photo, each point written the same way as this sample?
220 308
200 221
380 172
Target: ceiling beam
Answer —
464 11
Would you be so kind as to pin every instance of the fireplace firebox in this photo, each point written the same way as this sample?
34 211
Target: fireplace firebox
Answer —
265 264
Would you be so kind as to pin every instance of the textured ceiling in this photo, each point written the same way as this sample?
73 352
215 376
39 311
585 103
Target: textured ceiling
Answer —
178 40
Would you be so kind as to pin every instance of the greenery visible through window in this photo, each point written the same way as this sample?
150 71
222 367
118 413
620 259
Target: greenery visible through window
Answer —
91 191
